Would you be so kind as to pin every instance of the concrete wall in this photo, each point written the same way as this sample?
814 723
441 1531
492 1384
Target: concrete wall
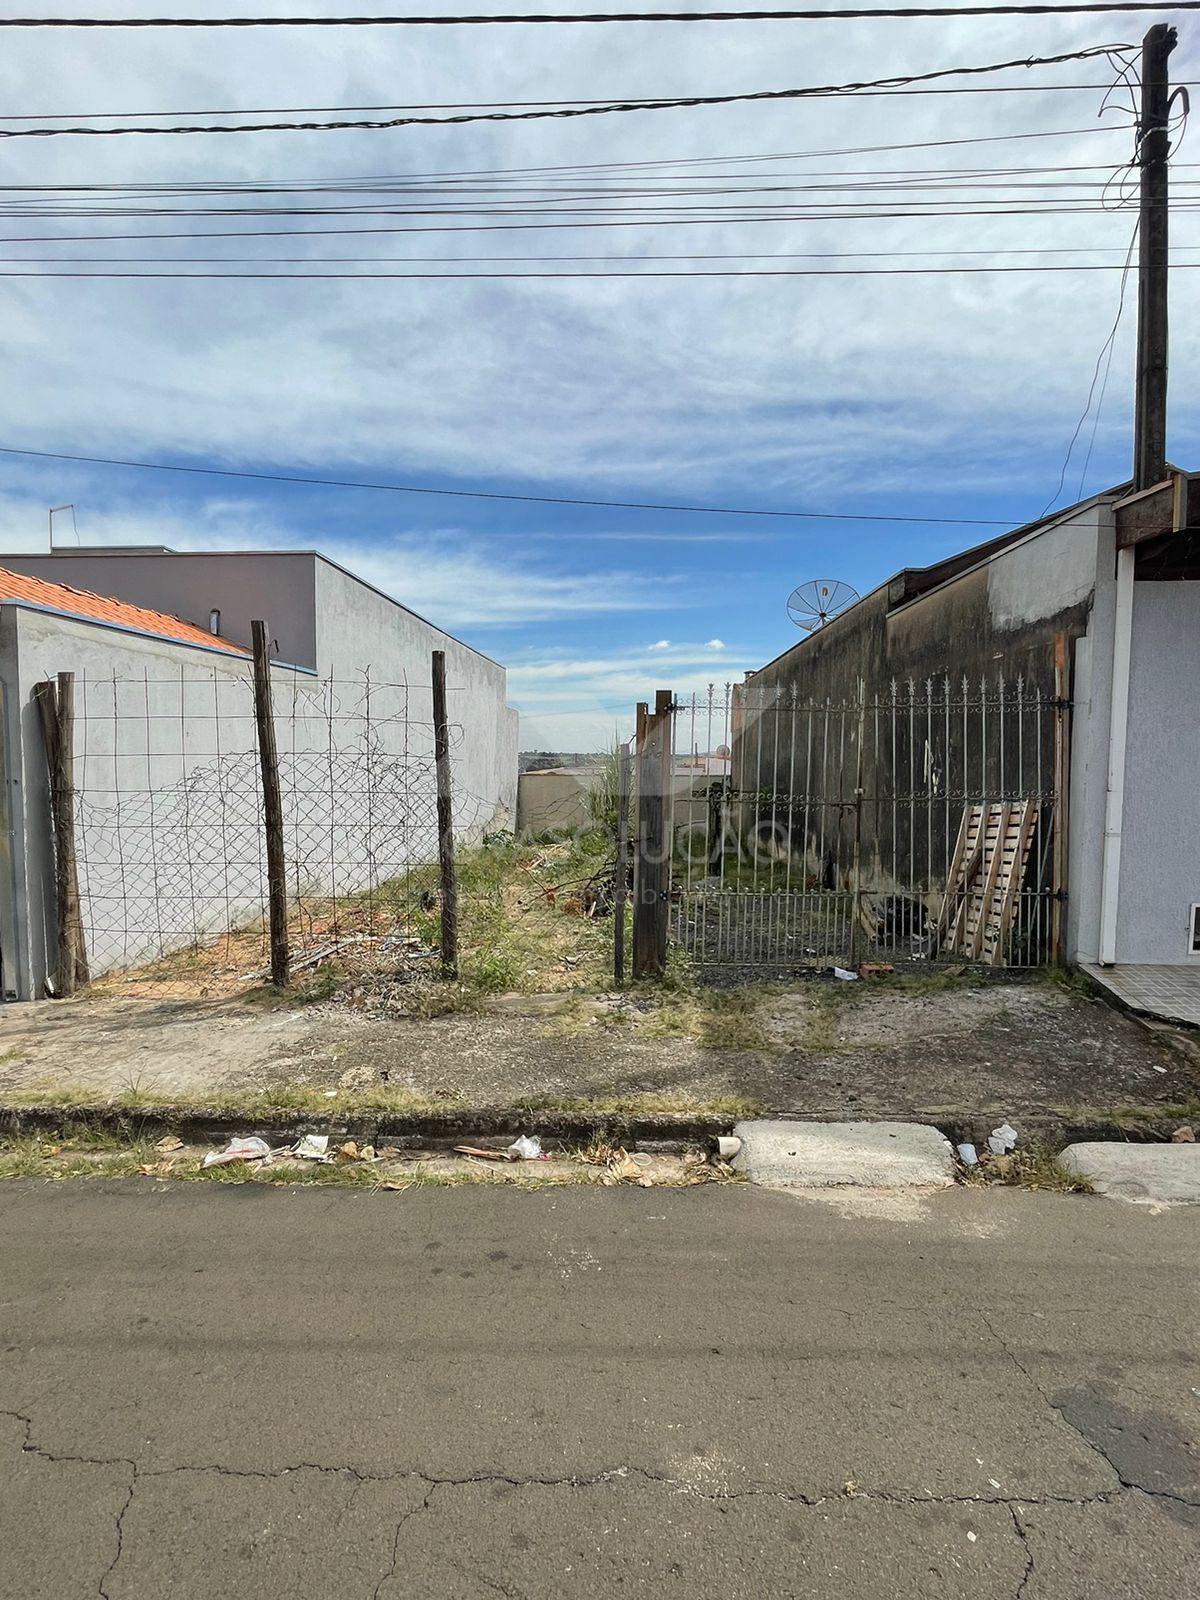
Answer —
136 741
166 765
550 800
323 618
1159 879
1160 847
361 630
1000 616
277 586
958 682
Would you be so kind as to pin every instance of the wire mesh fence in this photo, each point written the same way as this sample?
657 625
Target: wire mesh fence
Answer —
914 823
170 838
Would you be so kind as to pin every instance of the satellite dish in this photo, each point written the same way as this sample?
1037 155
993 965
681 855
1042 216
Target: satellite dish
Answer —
818 601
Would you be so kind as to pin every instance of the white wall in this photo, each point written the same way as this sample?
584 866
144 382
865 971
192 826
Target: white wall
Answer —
1160 848
1092 697
359 629
169 812
1160 870
146 719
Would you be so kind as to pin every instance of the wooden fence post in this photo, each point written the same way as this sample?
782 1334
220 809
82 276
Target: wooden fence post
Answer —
621 877
651 909
56 709
268 757
445 816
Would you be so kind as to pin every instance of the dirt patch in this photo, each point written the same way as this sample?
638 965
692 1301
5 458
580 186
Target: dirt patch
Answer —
1003 1048
980 1050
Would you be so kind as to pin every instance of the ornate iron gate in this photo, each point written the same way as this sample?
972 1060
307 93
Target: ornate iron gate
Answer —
912 825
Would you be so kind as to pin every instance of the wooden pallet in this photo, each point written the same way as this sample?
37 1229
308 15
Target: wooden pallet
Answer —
984 883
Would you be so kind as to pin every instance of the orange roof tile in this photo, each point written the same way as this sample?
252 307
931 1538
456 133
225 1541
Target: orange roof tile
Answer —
62 597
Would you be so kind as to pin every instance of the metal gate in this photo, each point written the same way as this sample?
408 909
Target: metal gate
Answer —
921 823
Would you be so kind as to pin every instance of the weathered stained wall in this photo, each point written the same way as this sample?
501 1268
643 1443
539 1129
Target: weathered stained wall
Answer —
958 682
1001 616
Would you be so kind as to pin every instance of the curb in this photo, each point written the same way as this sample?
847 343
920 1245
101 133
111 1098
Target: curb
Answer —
434 1129
427 1130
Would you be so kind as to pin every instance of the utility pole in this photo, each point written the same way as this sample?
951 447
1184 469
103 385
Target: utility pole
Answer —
1150 409
1149 443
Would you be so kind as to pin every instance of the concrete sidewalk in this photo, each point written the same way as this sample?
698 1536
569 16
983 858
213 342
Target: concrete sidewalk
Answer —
982 1053
217 1392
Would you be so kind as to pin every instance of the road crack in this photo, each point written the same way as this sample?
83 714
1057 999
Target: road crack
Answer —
1019 1528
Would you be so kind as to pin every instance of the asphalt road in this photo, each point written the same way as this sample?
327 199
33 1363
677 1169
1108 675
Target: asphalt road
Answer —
239 1391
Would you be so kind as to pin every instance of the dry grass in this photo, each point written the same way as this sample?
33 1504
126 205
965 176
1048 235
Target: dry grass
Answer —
55 1159
522 929
1037 1167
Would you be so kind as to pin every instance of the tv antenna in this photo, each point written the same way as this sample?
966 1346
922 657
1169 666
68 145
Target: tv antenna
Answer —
818 601
54 510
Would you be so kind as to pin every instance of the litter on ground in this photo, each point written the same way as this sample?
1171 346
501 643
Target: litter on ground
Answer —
1002 1139
312 1147
251 1149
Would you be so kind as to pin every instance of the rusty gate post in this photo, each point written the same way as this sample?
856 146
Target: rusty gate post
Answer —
856 856
1062 779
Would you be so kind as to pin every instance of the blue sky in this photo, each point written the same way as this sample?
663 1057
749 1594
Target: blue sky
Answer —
914 396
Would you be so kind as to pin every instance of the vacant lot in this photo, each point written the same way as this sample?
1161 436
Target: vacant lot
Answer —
939 1050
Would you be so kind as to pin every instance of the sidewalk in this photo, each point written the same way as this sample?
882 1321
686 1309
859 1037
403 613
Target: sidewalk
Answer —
969 1051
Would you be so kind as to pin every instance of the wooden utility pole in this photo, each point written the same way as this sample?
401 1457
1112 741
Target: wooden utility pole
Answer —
445 816
1150 408
268 757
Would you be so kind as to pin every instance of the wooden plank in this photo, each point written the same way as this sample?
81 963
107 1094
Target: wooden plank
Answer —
992 870
268 758
445 817
1025 823
952 877
957 930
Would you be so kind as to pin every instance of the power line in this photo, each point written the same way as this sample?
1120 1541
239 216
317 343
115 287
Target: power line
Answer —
579 223
746 255
602 109
433 105
443 20
601 167
488 494
450 277
1105 349
614 185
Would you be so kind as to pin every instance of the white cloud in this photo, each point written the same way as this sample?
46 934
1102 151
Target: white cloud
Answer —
661 644
458 581
796 388
583 699
715 644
